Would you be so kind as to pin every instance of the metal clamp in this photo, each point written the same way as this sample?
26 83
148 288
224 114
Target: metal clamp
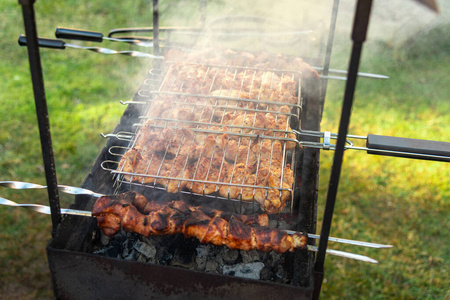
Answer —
326 140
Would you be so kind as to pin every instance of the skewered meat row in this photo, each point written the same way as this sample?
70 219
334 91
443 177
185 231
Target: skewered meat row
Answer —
208 226
263 60
210 163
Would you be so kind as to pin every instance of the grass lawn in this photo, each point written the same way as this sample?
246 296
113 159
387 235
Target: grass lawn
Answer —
396 201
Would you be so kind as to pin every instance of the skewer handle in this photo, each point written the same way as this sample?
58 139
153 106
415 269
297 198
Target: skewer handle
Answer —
78 34
409 148
45 43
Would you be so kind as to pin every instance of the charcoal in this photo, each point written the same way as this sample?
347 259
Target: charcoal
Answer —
251 270
202 257
132 255
212 267
104 239
267 274
110 251
127 248
183 259
273 223
281 273
148 251
202 250
229 256
164 258
251 256
141 257
277 258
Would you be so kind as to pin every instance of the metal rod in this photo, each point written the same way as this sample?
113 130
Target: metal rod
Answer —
136 42
338 156
156 50
41 110
43 209
360 26
326 64
360 74
345 254
350 242
202 8
111 51
19 185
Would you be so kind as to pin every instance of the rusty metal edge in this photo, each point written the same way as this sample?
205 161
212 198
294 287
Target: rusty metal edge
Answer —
77 275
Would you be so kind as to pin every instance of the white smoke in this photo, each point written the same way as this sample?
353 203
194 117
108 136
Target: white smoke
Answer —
393 22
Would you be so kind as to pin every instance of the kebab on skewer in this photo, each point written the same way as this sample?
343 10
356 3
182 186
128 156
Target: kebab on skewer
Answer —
127 211
141 203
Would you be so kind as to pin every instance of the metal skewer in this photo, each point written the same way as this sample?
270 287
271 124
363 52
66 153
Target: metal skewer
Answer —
59 44
360 74
110 51
19 185
346 241
345 254
44 209
80 191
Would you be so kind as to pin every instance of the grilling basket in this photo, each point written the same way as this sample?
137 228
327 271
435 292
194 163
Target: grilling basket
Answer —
215 156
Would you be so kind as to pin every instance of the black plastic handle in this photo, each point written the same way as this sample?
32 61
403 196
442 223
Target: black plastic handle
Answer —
45 43
78 34
419 149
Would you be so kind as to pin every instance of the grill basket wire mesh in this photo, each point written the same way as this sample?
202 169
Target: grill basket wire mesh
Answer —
195 104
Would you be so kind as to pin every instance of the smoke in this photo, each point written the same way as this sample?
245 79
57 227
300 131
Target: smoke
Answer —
289 27
393 22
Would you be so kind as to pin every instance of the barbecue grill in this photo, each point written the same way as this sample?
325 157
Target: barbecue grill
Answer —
70 252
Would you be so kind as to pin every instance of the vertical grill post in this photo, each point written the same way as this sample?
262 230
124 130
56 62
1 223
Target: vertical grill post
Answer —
326 64
360 25
41 110
156 51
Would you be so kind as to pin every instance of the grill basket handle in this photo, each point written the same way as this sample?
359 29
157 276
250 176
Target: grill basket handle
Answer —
45 43
78 34
409 148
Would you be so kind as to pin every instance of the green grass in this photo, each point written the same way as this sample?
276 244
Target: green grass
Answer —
382 199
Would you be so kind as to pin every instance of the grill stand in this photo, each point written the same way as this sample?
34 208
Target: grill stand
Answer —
60 248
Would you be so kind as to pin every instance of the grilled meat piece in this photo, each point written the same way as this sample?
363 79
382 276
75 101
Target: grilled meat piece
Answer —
241 168
208 226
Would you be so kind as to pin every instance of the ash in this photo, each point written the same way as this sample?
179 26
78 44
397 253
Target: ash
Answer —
189 253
